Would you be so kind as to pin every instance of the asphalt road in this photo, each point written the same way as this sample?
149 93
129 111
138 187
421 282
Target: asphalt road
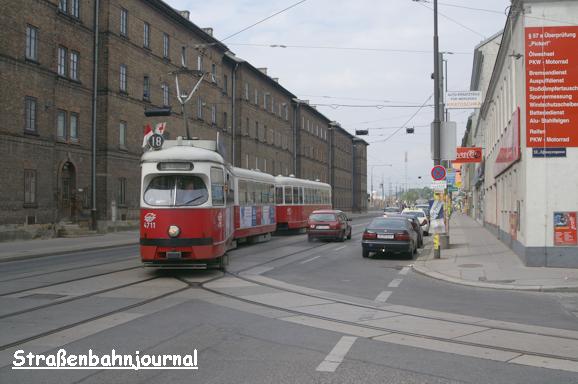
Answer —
288 311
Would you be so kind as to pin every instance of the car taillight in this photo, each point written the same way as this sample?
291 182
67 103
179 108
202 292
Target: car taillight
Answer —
369 236
401 236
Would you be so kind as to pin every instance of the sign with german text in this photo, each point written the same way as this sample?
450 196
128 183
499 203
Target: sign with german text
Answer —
548 152
552 86
565 228
463 99
468 155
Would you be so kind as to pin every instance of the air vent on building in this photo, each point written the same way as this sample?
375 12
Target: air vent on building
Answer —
185 14
208 31
30 220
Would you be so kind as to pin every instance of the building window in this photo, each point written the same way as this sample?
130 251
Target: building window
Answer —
199 107
165 88
75 8
256 97
286 107
200 63
246 130
62 55
29 187
225 84
30 109
122 191
61 125
146 88
213 73
123 22
214 114
272 104
266 101
247 91
62 6
146 35
31 43
74 126
166 45
74 58
256 130
122 134
123 78
225 121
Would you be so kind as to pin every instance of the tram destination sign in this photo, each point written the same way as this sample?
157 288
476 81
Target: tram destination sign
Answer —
551 86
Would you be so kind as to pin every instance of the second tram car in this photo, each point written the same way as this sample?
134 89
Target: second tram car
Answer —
297 198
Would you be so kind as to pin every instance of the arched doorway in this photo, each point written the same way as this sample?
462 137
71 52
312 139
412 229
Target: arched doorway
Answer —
67 192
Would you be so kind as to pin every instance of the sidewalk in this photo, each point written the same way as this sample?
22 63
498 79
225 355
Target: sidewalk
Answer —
477 258
27 249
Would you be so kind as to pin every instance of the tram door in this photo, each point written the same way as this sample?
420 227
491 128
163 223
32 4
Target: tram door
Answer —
67 195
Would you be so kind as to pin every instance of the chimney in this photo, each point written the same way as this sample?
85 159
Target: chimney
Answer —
185 14
263 70
208 31
276 79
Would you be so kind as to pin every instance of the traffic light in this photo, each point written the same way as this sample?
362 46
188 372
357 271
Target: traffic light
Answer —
157 112
361 132
410 130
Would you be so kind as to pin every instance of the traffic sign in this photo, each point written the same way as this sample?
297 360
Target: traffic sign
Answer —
438 172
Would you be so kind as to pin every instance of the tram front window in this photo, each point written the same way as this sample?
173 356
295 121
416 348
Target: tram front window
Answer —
176 191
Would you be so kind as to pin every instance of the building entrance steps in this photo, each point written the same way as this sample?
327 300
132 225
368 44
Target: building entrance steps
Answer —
477 258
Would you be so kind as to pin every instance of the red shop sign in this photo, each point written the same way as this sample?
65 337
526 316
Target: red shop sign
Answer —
468 155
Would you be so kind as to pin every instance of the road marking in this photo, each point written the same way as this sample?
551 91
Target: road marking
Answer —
394 283
336 355
404 270
383 296
340 248
311 259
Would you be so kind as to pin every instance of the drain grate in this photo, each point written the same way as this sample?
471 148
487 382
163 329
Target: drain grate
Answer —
44 296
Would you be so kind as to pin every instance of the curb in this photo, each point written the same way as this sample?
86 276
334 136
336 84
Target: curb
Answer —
36 255
527 288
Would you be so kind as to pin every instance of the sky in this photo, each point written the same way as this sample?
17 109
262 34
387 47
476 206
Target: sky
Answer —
352 57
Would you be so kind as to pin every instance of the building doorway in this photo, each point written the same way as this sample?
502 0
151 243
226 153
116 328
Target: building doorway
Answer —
67 192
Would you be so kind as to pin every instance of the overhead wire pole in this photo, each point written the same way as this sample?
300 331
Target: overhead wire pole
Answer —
437 112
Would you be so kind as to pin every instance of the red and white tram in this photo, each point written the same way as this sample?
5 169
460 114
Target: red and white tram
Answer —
297 198
194 206
186 205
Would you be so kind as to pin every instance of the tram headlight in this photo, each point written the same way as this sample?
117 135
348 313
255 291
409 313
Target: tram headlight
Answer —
174 231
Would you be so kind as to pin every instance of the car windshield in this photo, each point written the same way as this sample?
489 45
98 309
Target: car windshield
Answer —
383 223
176 190
322 217
415 213
391 209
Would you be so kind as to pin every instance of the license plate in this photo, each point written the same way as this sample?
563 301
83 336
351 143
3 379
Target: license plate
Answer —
174 255
385 237
323 227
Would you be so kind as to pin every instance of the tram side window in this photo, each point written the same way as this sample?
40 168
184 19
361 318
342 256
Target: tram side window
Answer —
288 195
279 195
217 186
271 194
230 190
295 195
243 192
300 195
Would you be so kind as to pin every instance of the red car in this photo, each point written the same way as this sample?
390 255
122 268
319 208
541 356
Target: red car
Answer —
328 224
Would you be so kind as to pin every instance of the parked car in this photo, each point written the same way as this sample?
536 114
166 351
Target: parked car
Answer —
328 224
424 208
389 235
421 216
414 224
